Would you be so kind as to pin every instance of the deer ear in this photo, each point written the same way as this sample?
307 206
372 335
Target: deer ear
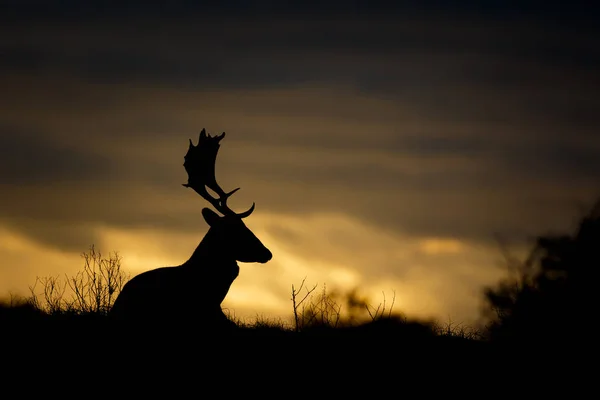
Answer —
211 217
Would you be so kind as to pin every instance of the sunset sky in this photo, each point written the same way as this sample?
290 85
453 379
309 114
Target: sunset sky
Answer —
384 148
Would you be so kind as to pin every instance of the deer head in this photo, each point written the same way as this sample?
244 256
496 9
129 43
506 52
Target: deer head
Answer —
231 235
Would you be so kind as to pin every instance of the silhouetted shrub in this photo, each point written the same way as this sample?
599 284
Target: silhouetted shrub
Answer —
93 290
333 309
549 300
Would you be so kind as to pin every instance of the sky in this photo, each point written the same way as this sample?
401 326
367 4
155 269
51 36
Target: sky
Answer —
385 148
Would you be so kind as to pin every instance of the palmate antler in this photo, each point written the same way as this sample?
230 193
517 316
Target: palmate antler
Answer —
200 165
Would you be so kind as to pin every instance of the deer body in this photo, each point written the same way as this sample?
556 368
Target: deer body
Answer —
183 294
192 292
175 294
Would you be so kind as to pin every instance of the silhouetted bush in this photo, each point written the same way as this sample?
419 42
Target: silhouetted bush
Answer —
549 299
332 309
93 290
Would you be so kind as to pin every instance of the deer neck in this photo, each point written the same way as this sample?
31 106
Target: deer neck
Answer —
211 250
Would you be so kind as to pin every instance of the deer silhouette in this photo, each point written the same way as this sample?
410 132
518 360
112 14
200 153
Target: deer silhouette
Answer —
192 292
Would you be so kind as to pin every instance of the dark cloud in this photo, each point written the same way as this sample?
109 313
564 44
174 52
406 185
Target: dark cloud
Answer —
68 236
496 8
374 53
33 158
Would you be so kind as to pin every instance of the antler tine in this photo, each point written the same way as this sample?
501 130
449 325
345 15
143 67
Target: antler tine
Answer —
200 163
